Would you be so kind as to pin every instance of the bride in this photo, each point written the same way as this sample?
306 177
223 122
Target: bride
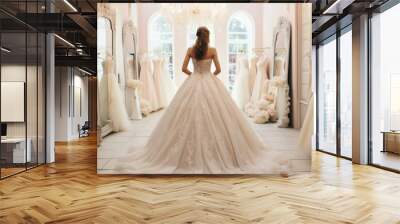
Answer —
202 130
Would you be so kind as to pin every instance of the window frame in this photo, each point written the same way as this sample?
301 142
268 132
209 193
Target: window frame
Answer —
150 44
334 37
243 17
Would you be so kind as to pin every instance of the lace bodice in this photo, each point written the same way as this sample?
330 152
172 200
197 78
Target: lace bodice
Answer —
202 66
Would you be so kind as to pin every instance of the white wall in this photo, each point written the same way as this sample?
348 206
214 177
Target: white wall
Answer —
33 127
15 72
68 81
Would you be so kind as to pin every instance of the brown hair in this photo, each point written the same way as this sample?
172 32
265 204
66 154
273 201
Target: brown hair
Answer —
201 45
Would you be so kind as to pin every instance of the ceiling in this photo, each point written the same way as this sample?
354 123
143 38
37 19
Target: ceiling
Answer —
75 21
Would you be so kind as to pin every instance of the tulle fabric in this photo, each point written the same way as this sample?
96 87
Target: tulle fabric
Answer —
252 72
169 82
165 86
118 115
262 66
148 91
159 83
202 132
241 89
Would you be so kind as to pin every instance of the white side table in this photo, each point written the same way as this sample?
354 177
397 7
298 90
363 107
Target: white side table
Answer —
18 147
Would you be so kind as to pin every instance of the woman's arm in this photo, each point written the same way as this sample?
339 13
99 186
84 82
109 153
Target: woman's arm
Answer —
216 62
186 63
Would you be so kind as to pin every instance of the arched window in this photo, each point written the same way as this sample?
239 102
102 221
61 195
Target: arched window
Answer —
240 41
161 39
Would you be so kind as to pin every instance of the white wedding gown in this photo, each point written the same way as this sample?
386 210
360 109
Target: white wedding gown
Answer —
241 89
148 91
252 72
159 83
262 66
202 132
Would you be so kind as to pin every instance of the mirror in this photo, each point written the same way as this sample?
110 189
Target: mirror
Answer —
105 48
131 69
280 74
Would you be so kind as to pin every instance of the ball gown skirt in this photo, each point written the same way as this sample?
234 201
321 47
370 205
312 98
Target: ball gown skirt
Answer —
202 132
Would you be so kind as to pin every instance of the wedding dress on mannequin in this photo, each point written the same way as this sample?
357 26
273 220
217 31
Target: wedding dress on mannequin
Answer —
241 90
170 86
202 132
117 112
262 68
159 83
148 91
252 72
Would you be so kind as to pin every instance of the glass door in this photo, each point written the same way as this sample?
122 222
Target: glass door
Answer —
14 144
384 111
346 93
22 100
334 94
326 101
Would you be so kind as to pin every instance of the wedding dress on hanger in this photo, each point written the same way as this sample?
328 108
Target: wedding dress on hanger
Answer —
117 111
262 68
202 132
170 86
159 83
241 90
148 92
252 72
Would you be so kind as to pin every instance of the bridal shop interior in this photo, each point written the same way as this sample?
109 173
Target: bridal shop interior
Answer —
265 56
55 160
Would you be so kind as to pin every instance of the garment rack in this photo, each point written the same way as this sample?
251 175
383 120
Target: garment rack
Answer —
260 49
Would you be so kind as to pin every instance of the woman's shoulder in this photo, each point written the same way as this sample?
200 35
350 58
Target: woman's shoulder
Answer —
189 51
212 50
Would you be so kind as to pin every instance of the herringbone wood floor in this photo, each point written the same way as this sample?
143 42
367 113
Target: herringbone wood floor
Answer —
70 191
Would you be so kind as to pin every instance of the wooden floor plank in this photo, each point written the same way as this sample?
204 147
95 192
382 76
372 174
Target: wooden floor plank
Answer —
70 191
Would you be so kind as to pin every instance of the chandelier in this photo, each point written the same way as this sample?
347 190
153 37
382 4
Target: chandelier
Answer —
206 13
